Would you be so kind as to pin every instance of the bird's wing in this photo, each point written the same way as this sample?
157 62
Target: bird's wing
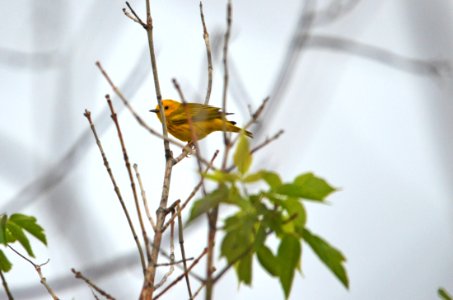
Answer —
198 112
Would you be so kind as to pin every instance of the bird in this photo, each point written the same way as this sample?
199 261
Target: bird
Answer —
205 119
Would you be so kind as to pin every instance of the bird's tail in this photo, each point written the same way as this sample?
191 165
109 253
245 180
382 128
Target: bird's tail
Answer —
234 128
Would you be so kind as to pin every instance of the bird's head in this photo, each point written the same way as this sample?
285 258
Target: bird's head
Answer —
169 107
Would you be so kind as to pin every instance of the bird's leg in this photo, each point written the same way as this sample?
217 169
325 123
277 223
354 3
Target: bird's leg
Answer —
189 149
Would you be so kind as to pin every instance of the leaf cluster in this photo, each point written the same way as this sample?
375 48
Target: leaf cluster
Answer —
276 210
13 229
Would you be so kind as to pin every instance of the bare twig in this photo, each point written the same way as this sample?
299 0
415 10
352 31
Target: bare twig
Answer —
194 191
195 262
172 251
87 114
186 151
94 295
208 54
419 66
145 202
183 251
202 285
175 262
254 117
213 214
267 141
226 78
148 288
135 16
79 275
38 270
178 89
131 179
5 286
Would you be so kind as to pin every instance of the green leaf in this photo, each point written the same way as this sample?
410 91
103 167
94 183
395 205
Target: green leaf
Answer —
314 188
296 212
244 269
239 236
268 260
235 198
272 179
443 294
329 255
221 177
235 244
289 252
5 265
3 221
254 177
242 157
208 202
273 219
19 235
29 224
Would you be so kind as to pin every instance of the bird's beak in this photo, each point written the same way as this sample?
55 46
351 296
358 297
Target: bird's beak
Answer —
154 110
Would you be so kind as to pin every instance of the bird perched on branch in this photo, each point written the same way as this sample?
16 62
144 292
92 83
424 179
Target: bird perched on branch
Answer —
204 119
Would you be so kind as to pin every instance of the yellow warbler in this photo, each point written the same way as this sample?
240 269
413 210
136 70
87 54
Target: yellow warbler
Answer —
205 119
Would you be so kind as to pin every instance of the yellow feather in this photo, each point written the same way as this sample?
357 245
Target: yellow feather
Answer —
204 120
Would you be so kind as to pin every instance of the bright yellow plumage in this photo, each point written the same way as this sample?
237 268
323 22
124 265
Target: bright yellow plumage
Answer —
205 119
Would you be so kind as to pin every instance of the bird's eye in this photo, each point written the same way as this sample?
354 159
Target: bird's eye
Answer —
166 107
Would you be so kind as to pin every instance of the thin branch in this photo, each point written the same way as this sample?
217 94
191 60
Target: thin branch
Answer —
5 286
94 295
178 89
226 79
194 191
434 68
267 141
254 117
38 270
149 30
145 201
186 151
148 285
87 114
176 262
166 255
79 275
183 251
172 252
174 282
214 213
135 16
131 179
208 54
129 107
199 290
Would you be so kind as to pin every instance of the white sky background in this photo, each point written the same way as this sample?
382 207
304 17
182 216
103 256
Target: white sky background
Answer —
381 132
